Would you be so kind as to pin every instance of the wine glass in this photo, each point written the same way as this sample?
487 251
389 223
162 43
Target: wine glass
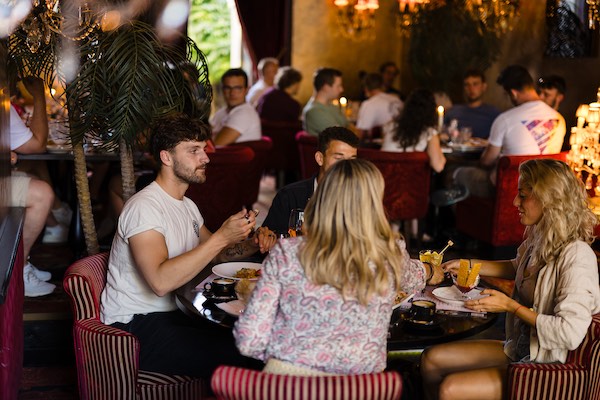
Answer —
295 222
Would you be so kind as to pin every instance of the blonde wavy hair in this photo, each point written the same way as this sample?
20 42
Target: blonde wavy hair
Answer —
349 242
566 215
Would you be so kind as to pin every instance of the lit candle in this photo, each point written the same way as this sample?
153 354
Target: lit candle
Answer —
440 111
343 104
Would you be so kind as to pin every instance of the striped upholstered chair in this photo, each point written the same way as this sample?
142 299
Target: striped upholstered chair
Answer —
108 358
577 379
233 383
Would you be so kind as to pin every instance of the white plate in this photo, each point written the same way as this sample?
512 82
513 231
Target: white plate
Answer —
228 270
58 149
451 295
404 301
235 307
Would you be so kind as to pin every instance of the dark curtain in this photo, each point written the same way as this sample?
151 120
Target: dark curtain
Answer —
267 28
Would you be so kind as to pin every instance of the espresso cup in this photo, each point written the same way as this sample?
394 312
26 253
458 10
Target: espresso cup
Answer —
422 310
221 287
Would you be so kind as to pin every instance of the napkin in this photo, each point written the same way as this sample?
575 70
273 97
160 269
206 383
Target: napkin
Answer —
235 307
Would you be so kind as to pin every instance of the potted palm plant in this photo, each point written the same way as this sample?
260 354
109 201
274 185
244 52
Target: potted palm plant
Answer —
127 76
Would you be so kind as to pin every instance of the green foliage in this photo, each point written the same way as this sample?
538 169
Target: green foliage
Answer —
445 42
209 25
129 77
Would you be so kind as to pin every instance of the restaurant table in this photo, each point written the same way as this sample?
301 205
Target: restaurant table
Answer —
401 336
76 229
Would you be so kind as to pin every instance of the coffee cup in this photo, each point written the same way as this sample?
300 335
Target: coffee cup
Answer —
221 287
422 311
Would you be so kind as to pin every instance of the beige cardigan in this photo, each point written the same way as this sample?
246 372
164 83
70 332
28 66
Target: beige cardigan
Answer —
567 294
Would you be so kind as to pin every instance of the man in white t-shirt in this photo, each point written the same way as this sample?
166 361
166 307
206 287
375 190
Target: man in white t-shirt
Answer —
380 108
531 127
238 121
161 243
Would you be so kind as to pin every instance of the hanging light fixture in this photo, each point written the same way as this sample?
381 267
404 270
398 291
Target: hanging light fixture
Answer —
593 13
356 18
496 15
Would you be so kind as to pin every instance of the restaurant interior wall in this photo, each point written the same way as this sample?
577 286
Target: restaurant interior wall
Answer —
316 42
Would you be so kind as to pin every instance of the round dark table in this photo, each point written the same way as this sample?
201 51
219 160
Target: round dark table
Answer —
402 335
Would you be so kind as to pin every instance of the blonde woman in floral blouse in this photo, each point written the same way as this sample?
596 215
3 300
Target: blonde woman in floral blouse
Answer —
324 301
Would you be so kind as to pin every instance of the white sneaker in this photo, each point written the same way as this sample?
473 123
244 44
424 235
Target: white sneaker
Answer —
44 276
63 214
56 234
33 286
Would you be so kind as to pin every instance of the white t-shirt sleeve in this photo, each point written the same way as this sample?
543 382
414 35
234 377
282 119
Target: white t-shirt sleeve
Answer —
365 118
141 216
246 121
19 132
497 132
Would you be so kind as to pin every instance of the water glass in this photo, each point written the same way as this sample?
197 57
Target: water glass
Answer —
295 222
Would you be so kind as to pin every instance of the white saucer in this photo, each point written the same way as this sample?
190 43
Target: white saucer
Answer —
451 295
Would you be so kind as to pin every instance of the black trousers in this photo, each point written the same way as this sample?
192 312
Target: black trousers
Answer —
175 344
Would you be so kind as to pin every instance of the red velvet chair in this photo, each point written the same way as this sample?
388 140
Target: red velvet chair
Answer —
307 147
108 358
407 180
232 383
222 195
284 156
495 220
577 379
262 152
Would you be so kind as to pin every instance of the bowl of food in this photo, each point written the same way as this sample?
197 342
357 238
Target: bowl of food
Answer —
244 289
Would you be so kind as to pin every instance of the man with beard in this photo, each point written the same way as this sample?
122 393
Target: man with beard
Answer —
474 113
161 243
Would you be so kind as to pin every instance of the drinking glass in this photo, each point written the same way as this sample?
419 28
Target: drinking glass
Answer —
295 222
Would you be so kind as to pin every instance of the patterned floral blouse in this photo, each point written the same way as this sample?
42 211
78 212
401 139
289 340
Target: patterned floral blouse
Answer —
291 319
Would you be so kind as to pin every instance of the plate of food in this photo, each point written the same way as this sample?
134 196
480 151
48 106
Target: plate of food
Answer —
402 299
238 270
451 295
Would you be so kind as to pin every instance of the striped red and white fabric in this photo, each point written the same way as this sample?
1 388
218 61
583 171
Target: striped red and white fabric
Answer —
108 358
233 383
577 379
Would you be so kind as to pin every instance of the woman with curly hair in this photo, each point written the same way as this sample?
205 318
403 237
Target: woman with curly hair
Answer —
324 301
555 295
414 129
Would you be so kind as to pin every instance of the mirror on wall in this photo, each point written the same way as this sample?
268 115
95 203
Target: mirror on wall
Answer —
569 34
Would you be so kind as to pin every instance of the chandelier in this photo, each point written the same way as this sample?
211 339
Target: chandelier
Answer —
593 13
356 18
495 15
584 155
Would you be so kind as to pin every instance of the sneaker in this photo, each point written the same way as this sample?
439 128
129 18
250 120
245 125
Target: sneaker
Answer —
44 276
33 286
63 214
56 234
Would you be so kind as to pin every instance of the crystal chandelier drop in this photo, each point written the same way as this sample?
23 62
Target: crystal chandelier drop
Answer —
584 155
356 18
408 13
593 13
47 18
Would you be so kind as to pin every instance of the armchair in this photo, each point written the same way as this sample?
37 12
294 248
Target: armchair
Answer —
108 358
232 383
577 379
307 147
494 220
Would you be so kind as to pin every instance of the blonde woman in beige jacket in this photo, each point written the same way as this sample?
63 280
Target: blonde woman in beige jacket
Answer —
556 290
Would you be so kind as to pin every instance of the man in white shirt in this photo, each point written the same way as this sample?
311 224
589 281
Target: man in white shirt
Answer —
267 69
238 121
380 108
531 127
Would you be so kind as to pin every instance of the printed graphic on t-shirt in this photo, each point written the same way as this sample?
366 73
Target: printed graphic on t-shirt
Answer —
542 131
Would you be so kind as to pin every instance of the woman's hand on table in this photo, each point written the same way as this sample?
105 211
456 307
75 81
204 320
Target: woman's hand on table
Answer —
496 302
265 239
